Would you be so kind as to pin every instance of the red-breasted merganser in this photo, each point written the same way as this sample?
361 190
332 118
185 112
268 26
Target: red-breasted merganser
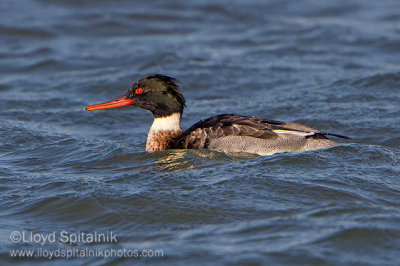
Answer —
226 132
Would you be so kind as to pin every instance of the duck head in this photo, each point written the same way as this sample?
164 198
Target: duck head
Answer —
157 93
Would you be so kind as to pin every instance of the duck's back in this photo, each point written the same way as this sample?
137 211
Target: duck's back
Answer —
235 133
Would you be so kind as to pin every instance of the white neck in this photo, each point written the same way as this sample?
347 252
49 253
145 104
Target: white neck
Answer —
167 123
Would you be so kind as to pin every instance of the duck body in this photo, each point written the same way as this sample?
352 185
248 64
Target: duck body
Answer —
224 133
236 133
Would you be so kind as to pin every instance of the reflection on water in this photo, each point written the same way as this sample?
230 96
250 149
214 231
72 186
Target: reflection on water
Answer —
181 160
175 161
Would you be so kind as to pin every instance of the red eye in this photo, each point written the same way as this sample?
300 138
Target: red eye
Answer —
139 90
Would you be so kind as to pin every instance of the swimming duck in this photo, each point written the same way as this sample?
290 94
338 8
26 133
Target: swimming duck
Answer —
160 94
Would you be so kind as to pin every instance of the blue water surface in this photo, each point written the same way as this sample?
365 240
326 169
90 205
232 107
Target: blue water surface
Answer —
332 65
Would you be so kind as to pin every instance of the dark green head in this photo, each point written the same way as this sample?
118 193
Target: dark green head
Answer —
158 93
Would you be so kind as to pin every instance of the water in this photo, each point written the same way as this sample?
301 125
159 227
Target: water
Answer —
332 65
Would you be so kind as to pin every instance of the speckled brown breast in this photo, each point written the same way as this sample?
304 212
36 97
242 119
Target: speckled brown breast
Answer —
161 140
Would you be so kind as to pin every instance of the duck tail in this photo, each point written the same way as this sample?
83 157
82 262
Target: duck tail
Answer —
320 134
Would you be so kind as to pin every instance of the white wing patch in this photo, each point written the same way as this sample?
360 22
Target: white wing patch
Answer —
293 132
